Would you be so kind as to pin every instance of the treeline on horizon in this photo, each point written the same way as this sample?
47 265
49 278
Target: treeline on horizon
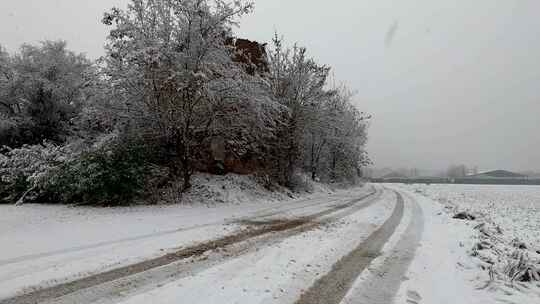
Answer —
172 96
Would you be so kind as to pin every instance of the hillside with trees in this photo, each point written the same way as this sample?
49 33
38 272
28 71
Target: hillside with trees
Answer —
173 95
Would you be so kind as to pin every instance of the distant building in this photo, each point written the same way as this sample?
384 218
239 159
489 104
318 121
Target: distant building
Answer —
394 174
499 174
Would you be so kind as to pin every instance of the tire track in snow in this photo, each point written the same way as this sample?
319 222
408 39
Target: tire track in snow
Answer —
333 286
101 244
257 214
382 288
294 226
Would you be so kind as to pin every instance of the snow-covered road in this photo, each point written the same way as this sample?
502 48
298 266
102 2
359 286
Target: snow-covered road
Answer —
374 244
45 246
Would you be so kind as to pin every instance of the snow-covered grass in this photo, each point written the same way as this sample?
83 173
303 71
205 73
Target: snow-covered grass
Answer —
232 189
441 272
502 241
516 209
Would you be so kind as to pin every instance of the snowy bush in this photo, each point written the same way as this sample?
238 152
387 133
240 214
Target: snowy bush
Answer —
26 169
111 172
110 175
506 260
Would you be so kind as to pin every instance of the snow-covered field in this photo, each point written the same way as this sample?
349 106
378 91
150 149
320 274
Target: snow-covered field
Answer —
507 216
429 257
516 209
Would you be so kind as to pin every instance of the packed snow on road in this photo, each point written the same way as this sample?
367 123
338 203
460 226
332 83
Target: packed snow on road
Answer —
368 244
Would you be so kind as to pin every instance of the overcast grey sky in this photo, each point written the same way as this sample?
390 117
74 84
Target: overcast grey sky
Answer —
454 81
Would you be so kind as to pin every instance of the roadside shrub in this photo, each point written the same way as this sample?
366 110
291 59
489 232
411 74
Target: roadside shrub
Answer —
300 182
14 134
9 192
111 172
23 171
111 176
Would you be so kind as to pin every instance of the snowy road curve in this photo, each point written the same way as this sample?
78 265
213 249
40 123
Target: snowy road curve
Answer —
306 251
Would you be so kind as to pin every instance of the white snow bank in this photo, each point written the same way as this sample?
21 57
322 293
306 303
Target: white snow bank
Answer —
232 189
516 209
444 270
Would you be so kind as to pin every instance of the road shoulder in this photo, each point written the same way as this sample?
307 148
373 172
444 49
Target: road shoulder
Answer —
438 273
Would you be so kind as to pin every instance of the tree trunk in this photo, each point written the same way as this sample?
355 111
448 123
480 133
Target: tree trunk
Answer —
333 167
187 181
312 161
183 152
20 201
291 160
186 171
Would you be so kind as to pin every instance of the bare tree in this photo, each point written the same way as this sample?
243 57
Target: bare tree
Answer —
457 171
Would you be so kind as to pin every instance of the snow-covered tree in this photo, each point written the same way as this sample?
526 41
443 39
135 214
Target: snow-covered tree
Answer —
173 72
297 82
456 171
41 90
334 139
6 76
175 93
347 135
322 132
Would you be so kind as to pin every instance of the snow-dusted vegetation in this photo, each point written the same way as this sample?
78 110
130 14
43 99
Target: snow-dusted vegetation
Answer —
176 93
504 235
181 161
